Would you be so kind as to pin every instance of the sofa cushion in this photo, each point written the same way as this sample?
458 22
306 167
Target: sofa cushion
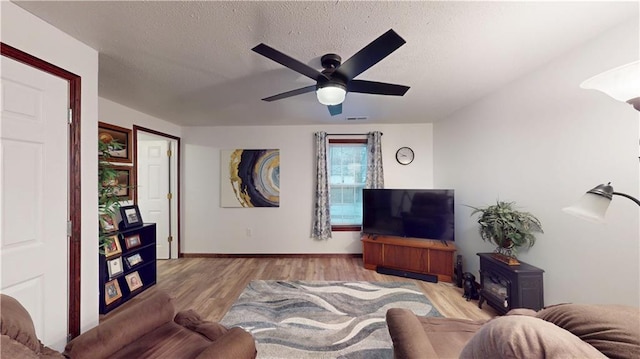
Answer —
169 341
612 329
10 348
236 343
192 321
409 340
123 328
428 337
16 323
519 336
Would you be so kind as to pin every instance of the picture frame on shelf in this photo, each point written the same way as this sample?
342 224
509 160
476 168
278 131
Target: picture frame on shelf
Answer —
133 281
108 133
134 260
131 217
123 182
114 267
112 292
108 224
132 241
113 247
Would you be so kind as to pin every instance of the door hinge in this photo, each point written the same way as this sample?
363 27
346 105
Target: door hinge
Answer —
69 228
170 239
70 116
169 153
169 195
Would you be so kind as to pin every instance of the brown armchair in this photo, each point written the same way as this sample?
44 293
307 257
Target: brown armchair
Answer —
146 329
559 331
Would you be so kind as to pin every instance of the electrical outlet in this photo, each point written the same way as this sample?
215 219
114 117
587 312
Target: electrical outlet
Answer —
249 232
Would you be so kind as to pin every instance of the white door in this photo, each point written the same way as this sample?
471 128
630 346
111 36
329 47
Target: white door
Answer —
33 179
153 187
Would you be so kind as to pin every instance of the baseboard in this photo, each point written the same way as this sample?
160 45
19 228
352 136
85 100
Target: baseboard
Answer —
403 273
271 255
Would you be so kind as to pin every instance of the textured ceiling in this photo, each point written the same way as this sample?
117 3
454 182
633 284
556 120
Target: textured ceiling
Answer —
191 62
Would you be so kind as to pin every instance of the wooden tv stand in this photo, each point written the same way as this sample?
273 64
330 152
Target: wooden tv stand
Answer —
422 256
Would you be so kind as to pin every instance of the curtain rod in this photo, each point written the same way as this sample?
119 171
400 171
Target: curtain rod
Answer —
350 134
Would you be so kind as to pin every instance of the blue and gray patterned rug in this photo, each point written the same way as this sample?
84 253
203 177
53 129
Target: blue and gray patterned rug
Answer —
302 319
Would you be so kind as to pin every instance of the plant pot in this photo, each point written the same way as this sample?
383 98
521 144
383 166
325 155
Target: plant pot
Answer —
512 261
505 253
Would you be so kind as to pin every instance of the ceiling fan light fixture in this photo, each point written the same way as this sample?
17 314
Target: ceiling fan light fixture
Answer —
331 94
620 83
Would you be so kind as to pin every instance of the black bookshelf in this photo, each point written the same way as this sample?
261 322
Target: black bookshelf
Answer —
138 258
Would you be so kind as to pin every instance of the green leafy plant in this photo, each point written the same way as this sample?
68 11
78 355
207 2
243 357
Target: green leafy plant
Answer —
507 227
108 201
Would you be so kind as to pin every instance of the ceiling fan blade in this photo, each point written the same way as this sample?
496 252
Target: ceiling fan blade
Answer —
371 54
376 88
335 109
295 92
288 61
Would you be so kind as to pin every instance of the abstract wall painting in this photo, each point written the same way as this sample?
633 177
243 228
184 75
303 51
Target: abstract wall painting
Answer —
250 178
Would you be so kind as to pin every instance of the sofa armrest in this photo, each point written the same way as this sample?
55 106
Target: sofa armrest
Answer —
236 343
123 328
408 336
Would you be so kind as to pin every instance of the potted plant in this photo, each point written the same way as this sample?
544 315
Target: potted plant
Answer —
108 201
507 228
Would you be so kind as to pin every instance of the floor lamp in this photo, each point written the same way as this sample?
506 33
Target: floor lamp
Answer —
623 84
594 204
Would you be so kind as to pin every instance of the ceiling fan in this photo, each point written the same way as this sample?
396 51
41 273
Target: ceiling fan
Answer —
337 78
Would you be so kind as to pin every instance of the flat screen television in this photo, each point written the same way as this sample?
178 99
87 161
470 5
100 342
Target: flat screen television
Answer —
416 213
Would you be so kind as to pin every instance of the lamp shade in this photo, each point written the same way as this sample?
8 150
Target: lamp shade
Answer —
591 207
331 94
621 83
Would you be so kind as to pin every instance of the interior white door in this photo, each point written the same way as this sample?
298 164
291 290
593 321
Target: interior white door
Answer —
33 178
153 187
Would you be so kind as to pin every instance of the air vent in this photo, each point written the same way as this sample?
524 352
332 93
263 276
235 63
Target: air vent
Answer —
359 118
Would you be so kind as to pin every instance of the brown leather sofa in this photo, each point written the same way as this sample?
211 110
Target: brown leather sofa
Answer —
559 331
146 329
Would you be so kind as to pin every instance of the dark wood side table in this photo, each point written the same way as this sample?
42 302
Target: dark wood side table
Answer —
506 287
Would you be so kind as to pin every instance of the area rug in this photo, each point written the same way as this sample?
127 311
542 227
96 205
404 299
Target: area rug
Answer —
303 319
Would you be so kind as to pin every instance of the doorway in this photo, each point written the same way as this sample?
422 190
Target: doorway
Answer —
69 238
157 160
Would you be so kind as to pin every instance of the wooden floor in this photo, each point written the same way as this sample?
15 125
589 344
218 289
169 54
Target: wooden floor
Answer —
211 285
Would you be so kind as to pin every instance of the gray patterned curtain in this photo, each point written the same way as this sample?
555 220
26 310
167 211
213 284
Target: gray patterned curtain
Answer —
375 174
321 216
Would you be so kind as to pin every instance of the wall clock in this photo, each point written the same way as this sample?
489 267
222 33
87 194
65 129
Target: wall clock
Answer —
404 156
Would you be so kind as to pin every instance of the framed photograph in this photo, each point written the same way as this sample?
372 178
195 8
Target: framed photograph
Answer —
123 182
134 259
133 281
108 133
132 241
108 223
112 292
114 267
113 248
131 216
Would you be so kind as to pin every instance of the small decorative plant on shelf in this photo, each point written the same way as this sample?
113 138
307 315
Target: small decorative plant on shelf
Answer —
108 188
507 228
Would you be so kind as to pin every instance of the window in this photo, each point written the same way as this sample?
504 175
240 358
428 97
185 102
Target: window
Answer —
347 177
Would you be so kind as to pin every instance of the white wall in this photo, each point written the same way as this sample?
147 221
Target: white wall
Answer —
119 115
32 35
208 228
542 142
